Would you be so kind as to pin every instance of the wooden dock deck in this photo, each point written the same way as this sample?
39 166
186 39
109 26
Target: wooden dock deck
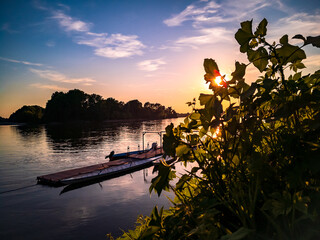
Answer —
54 179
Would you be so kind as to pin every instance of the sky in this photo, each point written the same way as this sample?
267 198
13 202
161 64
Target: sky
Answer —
144 49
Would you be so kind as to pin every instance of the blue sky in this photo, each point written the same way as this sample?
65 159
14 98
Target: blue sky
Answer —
146 50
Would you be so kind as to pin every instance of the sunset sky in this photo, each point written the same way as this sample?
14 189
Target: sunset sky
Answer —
144 49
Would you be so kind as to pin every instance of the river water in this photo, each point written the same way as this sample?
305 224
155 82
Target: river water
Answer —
41 212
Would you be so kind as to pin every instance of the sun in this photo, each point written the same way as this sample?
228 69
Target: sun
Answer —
218 80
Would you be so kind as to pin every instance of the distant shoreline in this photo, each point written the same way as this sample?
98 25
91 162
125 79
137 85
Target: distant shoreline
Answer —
90 121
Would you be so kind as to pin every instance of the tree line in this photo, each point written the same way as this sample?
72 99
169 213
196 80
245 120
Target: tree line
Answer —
77 105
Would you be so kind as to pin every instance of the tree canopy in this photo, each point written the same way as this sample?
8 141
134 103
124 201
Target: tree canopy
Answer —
254 151
27 114
77 105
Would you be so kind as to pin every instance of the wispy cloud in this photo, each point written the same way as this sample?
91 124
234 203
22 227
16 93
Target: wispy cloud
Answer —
151 65
48 86
112 46
59 77
205 36
50 43
192 13
299 23
210 21
70 24
7 28
119 46
21 62
104 44
210 12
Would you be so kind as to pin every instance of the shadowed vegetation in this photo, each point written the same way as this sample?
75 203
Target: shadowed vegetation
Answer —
254 148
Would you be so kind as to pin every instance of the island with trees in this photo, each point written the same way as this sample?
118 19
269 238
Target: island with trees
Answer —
76 105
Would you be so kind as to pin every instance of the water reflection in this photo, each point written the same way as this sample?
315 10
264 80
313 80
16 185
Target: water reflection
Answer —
76 186
27 131
85 213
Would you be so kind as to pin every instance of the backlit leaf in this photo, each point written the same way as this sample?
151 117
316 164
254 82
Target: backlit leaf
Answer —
182 149
244 35
239 72
315 41
211 69
259 58
204 98
262 28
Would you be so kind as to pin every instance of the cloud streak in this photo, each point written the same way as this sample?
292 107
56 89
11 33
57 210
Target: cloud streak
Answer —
209 12
192 13
21 62
48 86
299 23
151 65
205 36
70 24
59 77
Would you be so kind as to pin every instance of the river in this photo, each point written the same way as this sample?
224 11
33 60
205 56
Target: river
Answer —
42 212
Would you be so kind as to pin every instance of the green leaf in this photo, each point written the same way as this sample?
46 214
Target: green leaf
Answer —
315 41
156 217
182 149
259 58
241 233
297 65
195 116
246 26
182 181
211 69
290 53
262 28
244 35
161 182
150 231
299 36
204 98
249 92
284 40
239 72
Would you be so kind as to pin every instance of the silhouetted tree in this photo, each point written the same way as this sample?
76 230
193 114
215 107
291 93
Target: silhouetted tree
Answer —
27 114
78 105
134 109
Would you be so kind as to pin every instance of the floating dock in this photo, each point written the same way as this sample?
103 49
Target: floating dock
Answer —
55 179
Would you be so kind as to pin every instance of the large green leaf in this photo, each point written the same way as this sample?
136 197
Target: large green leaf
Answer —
239 72
211 69
315 41
289 53
262 28
204 98
259 58
182 149
161 182
244 35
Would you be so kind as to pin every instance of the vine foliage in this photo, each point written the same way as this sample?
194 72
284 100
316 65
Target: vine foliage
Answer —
254 151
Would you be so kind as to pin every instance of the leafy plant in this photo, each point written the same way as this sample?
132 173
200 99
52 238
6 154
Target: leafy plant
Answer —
256 168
